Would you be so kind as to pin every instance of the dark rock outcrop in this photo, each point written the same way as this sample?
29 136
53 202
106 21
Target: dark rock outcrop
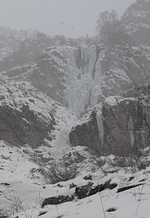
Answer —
128 187
89 189
86 134
21 127
80 192
57 200
124 129
83 191
123 124
26 115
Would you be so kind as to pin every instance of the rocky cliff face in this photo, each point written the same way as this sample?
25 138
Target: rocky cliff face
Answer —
27 116
125 127
137 21
24 46
123 124
81 77
86 134
79 74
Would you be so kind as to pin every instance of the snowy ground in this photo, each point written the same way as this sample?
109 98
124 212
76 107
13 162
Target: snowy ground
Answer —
131 203
21 193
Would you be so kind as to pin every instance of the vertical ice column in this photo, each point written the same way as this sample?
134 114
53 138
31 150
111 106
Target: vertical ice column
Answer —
100 126
131 131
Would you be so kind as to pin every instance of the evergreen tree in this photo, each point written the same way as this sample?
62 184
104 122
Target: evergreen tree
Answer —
110 29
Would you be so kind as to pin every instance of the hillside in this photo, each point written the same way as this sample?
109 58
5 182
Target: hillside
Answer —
81 77
75 123
137 21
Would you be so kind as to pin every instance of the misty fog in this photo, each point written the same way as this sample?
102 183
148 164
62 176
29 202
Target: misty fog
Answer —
57 17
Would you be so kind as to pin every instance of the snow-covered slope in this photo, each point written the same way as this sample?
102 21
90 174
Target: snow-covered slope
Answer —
42 95
128 198
23 189
27 116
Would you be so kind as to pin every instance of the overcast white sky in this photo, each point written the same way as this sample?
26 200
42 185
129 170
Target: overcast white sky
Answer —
66 17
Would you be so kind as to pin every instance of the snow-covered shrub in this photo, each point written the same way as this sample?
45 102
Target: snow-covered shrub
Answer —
100 162
3 213
133 162
59 172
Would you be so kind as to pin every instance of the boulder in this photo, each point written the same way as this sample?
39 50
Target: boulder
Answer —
121 126
89 189
57 200
86 134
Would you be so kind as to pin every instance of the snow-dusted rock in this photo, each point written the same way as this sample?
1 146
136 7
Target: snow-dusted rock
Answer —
120 126
137 21
80 77
27 115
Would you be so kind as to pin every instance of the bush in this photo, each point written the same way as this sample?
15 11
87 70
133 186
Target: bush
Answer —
59 172
3 213
134 162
